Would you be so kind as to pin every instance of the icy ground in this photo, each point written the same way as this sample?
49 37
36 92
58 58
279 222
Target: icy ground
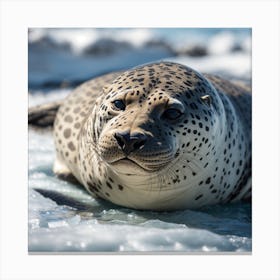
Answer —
64 218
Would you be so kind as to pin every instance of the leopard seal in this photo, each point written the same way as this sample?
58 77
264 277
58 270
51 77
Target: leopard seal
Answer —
160 136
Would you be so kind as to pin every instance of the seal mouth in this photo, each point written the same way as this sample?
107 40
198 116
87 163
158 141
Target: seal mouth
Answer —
126 165
129 166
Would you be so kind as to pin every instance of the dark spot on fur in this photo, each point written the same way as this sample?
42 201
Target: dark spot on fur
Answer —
71 146
67 133
68 118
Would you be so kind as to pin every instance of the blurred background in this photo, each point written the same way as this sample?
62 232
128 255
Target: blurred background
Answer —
61 58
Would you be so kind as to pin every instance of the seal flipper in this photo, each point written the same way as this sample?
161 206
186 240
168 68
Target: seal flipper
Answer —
63 172
43 115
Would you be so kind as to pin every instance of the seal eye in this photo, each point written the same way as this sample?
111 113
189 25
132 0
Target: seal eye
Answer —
172 114
119 104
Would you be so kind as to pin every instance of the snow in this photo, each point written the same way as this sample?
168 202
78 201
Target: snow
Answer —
222 43
81 39
235 65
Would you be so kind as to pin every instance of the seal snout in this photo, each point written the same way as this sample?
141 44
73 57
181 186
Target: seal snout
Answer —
130 142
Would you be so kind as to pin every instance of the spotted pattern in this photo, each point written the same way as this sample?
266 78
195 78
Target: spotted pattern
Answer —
185 138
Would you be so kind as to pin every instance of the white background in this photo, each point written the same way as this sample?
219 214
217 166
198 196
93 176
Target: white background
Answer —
17 16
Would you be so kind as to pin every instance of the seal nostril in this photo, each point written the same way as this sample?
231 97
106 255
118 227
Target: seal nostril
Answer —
120 140
139 145
130 143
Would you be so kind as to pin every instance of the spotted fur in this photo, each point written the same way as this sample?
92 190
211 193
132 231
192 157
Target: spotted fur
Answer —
161 136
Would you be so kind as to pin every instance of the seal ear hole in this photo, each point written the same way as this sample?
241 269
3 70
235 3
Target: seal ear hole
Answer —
206 99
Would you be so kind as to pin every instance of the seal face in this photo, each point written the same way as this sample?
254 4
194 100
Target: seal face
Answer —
160 136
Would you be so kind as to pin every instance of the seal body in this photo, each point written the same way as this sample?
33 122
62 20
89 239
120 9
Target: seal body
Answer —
160 136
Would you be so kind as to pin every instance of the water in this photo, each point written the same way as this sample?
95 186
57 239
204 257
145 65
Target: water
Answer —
65 218
74 55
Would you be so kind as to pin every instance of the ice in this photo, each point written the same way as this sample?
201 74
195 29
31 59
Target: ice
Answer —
247 44
234 65
138 37
36 34
42 97
79 39
218 41
95 236
222 43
